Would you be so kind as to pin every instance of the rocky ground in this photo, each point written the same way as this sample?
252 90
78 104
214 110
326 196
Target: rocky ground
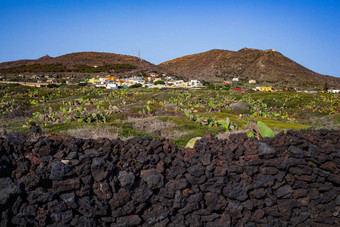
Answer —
292 179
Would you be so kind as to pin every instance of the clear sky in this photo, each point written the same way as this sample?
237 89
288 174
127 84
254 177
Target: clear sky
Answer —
307 31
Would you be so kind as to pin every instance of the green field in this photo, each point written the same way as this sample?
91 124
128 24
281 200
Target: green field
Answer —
177 114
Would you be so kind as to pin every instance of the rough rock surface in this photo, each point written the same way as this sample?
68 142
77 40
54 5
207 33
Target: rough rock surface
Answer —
292 179
239 106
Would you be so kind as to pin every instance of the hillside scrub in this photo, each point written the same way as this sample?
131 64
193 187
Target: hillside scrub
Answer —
182 112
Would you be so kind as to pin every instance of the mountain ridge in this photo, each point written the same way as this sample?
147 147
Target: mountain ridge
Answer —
266 66
89 58
216 65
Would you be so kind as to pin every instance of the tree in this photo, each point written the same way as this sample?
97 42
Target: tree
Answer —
142 74
136 85
205 83
325 86
159 82
226 87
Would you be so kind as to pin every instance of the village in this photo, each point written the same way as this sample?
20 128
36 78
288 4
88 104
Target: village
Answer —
153 81
163 81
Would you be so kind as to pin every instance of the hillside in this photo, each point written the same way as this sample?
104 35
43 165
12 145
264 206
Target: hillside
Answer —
264 66
70 62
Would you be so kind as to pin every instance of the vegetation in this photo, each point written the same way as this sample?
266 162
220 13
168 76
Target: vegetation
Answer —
159 82
177 114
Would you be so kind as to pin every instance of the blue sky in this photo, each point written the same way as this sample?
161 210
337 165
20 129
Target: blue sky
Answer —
306 31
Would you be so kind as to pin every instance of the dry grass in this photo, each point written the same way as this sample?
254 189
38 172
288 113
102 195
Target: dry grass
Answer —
150 125
225 135
329 122
89 132
175 134
154 126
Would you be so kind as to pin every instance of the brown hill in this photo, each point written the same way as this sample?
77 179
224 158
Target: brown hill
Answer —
267 66
92 59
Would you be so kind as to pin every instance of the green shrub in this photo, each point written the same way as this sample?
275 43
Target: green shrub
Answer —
159 82
52 85
136 85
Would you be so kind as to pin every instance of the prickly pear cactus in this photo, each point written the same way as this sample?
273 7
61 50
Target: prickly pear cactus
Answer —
192 142
264 130
186 112
250 134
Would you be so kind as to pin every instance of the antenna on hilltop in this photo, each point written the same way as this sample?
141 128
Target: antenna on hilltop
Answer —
139 54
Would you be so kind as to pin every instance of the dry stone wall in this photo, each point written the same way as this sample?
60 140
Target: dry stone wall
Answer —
292 179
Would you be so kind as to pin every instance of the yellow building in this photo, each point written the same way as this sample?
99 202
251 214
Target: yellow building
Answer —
31 85
94 81
184 85
113 78
266 88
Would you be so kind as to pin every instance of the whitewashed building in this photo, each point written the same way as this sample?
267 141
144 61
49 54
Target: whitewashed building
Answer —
333 91
102 80
169 78
178 82
111 86
194 83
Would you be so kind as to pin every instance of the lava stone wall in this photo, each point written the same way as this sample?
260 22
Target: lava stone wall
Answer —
292 179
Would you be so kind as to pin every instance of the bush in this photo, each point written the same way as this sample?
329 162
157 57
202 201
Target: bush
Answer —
136 85
215 87
52 85
159 82
226 87
205 83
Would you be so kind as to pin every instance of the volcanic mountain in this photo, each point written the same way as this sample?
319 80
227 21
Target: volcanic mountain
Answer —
265 66
78 60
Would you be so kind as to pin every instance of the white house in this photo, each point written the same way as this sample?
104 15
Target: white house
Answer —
235 79
333 91
169 78
140 79
111 86
178 81
100 85
194 83
102 80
